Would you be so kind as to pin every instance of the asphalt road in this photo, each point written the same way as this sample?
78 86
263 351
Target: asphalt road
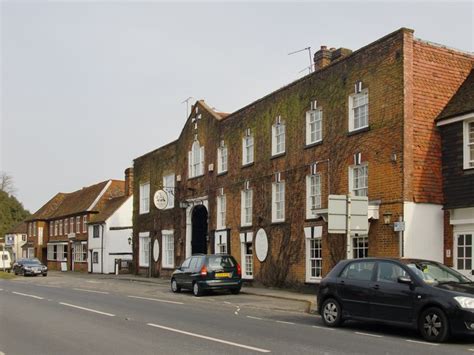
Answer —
86 316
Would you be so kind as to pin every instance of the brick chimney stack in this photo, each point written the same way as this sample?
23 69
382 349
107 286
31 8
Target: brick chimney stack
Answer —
128 181
325 56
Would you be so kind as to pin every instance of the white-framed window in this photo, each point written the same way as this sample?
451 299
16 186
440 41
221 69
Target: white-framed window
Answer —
50 228
56 227
222 158
168 186
84 224
60 227
314 256
66 225
168 249
278 201
95 257
23 237
314 126
30 229
220 242
71 225
31 253
359 110
52 252
95 231
221 211
313 195
196 160
144 198
247 149
464 243
359 180
278 138
360 247
80 252
78 224
468 144
246 202
61 254
246 249
144 248
34 229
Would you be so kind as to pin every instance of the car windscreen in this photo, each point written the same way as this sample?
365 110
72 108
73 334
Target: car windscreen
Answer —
31 262
433 273
217 262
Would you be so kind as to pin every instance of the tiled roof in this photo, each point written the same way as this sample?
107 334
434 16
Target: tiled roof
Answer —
20 228
66 204
108 209
463 100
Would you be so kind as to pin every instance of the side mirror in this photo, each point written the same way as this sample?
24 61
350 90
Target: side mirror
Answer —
405 280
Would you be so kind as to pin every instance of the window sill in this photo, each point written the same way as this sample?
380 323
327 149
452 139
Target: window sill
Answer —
167 268
195 177
313 281
141 213
357 131
312 145
222 173
245 227
247 165
276 156
275 223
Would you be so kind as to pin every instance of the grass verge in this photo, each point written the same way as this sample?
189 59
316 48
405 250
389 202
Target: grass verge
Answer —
6 275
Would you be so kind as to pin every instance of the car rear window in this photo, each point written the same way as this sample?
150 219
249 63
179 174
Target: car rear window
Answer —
218 262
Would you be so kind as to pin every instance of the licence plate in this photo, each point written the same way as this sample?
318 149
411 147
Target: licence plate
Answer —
223 274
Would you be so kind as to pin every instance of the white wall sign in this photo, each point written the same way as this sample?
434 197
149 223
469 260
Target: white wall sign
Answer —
261 245
160 199
156 250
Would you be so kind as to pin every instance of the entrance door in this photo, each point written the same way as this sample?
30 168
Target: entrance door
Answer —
199 230
463 253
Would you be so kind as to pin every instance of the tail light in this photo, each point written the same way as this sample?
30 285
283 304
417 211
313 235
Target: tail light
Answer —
239 270
204 271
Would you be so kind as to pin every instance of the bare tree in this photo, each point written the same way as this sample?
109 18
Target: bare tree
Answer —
6 183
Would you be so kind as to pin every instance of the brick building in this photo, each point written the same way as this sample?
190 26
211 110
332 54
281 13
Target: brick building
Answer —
57 233
255 183
456 125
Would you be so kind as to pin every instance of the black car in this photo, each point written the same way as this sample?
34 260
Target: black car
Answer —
200 273
425 295
29 267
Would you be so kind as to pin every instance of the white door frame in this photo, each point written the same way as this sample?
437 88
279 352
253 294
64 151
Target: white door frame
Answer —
189 225
467 273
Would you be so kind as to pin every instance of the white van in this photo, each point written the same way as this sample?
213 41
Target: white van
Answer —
5 261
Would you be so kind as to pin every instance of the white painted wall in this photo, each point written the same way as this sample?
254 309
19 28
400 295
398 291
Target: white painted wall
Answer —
423 231
115 241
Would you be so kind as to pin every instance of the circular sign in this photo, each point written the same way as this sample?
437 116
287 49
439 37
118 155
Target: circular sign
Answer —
261 245
160 199
156 250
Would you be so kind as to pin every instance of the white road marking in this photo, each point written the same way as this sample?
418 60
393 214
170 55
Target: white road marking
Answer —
467 349
87 309
227 302
325 328
2 353
24 294
1 289
209 338
252 317
370 335
422 342
156 300
92 291
283 322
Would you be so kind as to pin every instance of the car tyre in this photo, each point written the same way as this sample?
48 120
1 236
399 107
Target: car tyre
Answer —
15 272
331 313
44 275
433 325
197 290
175 287
235 291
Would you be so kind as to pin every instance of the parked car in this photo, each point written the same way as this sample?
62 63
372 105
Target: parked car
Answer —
426 295
29 267
200 273
5 261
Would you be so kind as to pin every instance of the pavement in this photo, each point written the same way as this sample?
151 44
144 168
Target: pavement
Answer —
308 299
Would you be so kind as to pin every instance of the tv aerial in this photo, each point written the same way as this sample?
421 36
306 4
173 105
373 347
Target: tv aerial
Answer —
310 67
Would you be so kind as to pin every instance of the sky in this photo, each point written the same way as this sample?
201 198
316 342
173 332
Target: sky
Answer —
88 86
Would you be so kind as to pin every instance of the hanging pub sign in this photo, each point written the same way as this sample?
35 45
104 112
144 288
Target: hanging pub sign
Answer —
160 199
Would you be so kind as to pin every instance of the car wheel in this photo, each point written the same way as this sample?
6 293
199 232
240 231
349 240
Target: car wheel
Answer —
45 275
331 313
174 286
197 291
15 272
235 291
433 325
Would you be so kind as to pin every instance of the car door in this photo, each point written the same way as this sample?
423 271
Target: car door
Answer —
353 286
391 300
179 275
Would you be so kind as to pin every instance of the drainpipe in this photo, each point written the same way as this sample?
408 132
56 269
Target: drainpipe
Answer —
102 250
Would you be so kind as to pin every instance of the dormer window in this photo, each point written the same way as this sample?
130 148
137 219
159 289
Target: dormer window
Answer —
278 137
196 160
